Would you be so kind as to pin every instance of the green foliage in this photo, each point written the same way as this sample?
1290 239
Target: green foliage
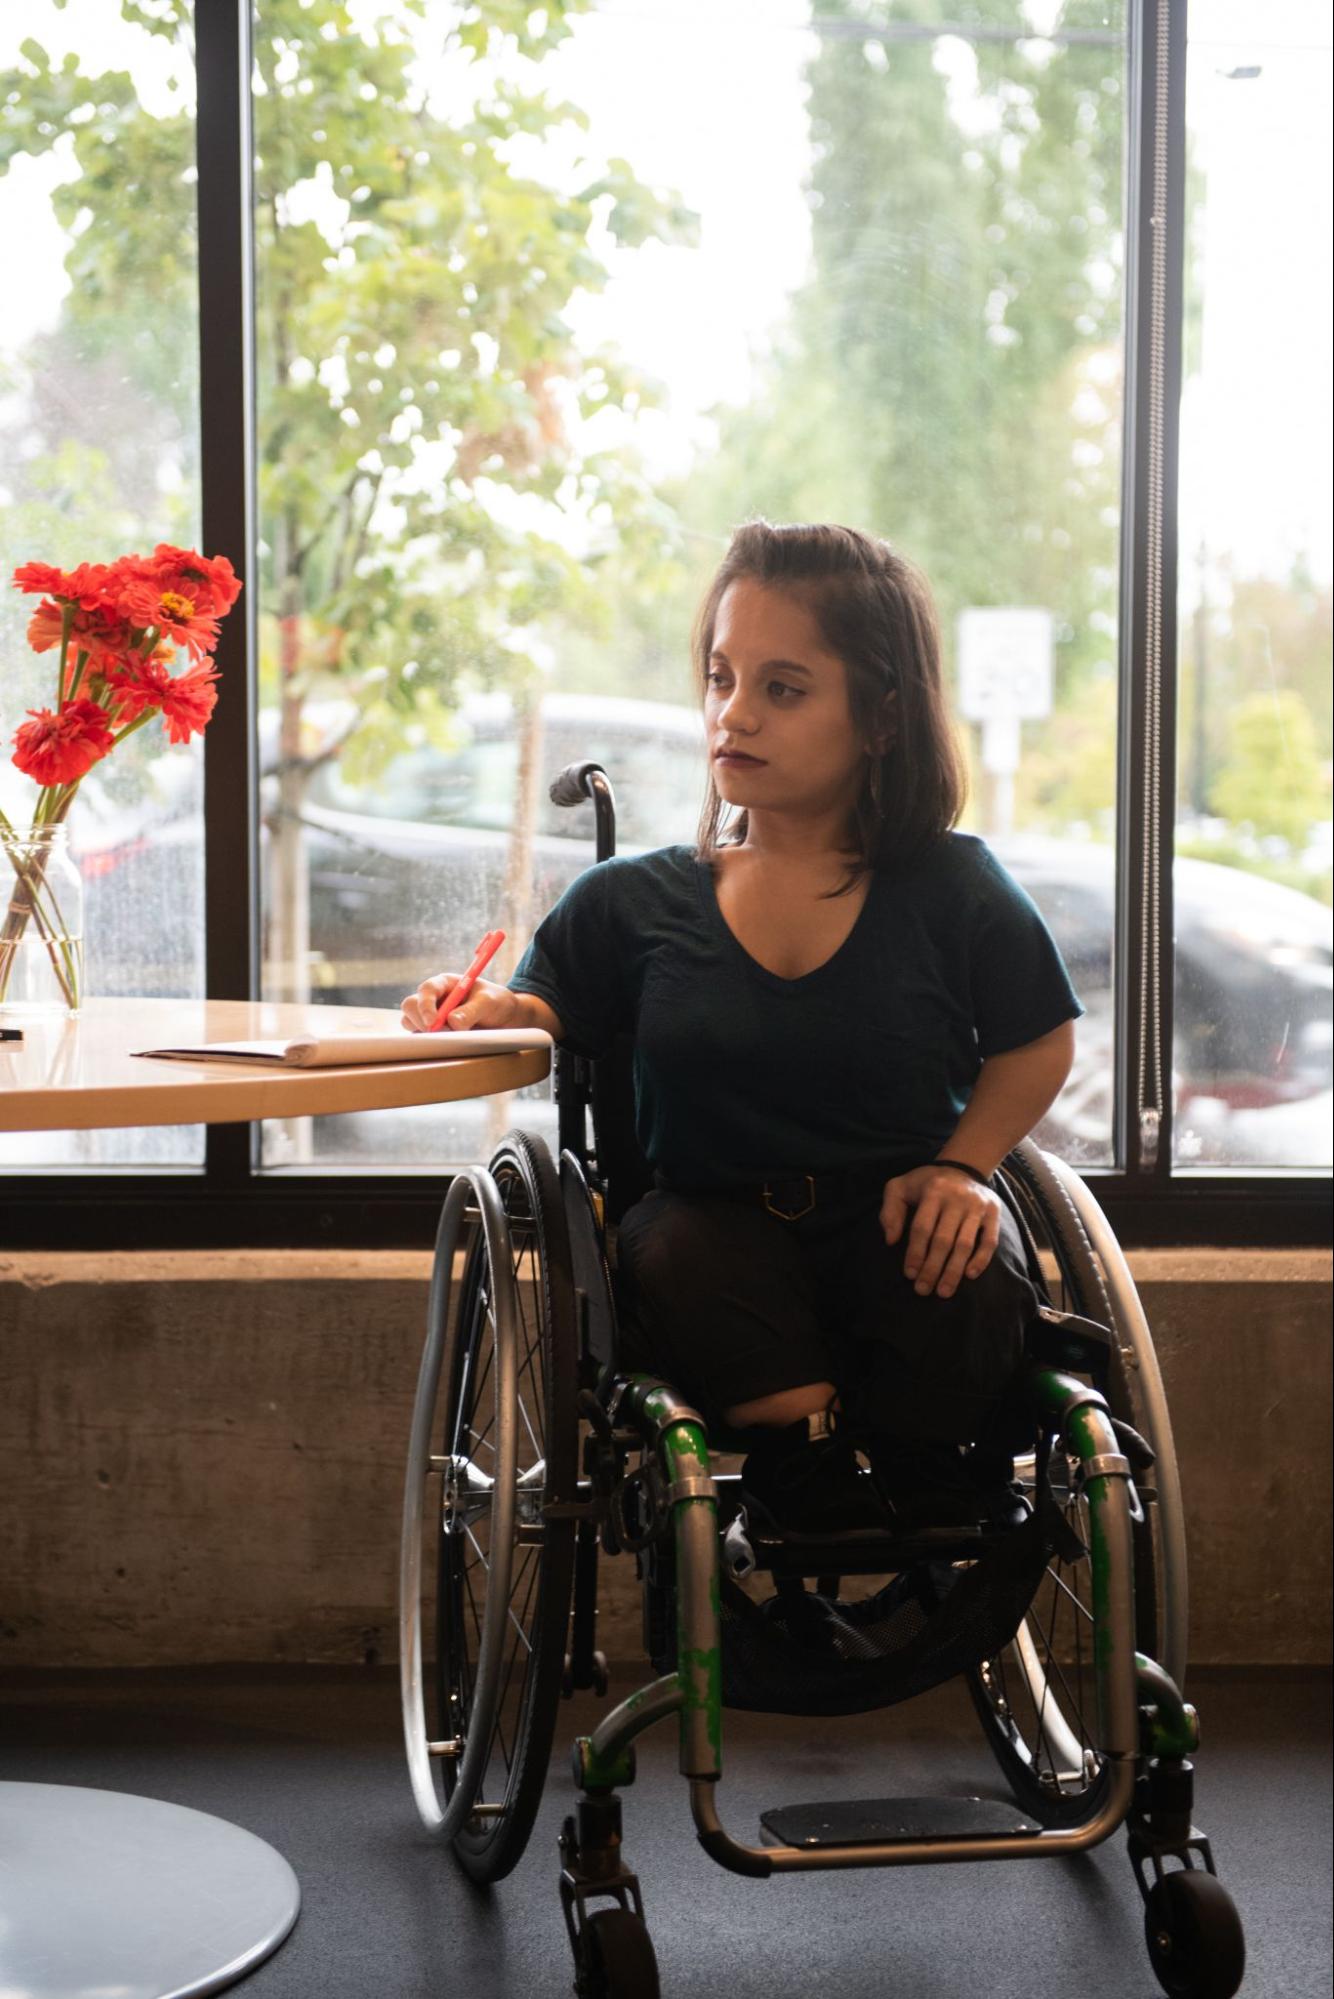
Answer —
949 377
413 361
1273 782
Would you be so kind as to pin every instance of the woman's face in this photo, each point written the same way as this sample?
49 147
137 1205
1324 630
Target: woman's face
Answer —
776 713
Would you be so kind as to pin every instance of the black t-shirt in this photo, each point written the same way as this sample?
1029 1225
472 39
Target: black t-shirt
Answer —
869 1059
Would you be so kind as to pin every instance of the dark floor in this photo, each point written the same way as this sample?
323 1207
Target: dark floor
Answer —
312 1763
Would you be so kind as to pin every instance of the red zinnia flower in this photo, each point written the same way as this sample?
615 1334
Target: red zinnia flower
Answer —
143 598
41 579
186 700
208 580
96 631
84 586
45 626
59 748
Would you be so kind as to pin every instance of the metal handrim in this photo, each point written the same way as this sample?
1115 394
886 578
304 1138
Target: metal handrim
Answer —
1151 1417
467 1753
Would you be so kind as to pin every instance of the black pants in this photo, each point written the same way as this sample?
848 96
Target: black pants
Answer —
729 1302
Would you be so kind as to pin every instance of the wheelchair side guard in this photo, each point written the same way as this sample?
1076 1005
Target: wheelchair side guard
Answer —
1066 1340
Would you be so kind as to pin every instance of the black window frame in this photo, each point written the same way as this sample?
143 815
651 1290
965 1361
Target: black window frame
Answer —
230 1204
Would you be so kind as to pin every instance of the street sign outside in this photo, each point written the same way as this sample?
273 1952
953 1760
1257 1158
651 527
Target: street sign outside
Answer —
1005 664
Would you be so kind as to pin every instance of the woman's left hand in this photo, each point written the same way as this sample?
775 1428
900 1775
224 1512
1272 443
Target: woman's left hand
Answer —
955 1227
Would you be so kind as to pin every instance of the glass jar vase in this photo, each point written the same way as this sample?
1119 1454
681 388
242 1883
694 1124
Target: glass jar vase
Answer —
41 935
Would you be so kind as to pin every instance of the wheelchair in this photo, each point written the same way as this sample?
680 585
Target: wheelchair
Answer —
533 1454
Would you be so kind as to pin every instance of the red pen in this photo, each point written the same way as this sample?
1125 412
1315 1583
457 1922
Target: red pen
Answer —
461 987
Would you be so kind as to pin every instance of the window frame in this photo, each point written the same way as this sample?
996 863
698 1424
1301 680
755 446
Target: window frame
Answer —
230 1204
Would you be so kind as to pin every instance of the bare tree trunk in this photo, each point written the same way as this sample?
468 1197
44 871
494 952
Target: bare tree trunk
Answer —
518 897
289 965
287 974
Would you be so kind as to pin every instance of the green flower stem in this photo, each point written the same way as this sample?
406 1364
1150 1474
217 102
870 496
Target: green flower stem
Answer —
25 905
66 622
33 899
51 930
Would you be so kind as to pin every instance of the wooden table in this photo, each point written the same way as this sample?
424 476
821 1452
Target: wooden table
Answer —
80 1074
102 1891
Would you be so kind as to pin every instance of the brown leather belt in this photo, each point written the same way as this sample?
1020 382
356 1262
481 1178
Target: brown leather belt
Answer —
790 1196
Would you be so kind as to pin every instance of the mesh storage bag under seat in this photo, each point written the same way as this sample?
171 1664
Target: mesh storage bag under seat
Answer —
800 1653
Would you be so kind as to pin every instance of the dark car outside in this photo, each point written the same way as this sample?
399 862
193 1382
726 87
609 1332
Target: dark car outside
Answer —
409 868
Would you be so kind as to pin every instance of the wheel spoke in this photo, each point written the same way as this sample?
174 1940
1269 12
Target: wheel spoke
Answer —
1053 1666
1074 1597
533 1438
513 1658
1046 1682
481 1438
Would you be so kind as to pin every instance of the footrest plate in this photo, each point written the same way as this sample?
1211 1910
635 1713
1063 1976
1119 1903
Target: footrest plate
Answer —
863 1820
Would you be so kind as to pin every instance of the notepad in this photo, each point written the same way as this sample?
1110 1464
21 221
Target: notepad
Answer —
339 1051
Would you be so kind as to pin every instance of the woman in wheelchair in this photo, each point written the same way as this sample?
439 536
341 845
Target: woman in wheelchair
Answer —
845 1015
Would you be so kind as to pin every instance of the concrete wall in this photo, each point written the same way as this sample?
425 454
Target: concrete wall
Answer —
202 1453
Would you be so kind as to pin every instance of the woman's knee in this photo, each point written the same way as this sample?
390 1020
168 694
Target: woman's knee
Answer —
938 1365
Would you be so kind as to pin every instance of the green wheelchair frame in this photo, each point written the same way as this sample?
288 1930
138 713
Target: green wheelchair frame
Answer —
519 1476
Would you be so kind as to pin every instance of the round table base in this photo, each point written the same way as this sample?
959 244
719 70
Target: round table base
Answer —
102 1892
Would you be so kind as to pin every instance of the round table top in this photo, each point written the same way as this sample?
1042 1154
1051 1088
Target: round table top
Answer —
80 1073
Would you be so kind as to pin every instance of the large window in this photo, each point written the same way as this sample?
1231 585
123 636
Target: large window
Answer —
1252 878
881 284
543 304
99 457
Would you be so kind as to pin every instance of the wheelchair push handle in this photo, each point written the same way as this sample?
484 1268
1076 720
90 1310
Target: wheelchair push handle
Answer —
588 780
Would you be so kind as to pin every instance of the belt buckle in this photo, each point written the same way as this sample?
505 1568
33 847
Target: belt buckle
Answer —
794 1214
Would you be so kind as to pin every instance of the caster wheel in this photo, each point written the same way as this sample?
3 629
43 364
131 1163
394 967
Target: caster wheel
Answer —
600 1680
1194 1935
620 1959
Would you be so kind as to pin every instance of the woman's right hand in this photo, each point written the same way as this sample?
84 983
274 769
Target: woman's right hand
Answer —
487 1005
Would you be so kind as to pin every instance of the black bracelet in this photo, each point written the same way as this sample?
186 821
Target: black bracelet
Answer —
973 1172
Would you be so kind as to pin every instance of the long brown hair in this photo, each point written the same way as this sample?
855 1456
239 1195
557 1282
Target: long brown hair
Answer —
874 610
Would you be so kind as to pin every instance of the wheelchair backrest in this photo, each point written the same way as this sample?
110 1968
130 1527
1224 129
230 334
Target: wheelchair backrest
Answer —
605 1087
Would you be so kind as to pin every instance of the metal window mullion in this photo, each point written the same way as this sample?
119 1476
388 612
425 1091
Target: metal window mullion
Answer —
1147 784
225 156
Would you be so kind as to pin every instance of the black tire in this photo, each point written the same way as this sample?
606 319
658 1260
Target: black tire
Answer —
509 1789
619 1956
1194 1934
1038 1699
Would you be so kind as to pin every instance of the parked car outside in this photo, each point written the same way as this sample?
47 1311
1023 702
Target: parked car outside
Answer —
407 870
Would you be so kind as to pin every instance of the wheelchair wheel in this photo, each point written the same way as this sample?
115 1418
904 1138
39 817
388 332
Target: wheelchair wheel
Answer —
497 1387
1194 1936
620 1958
1038 1700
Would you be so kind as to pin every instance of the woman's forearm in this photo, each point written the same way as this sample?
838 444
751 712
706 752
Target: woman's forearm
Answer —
534 1012
1013 1092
